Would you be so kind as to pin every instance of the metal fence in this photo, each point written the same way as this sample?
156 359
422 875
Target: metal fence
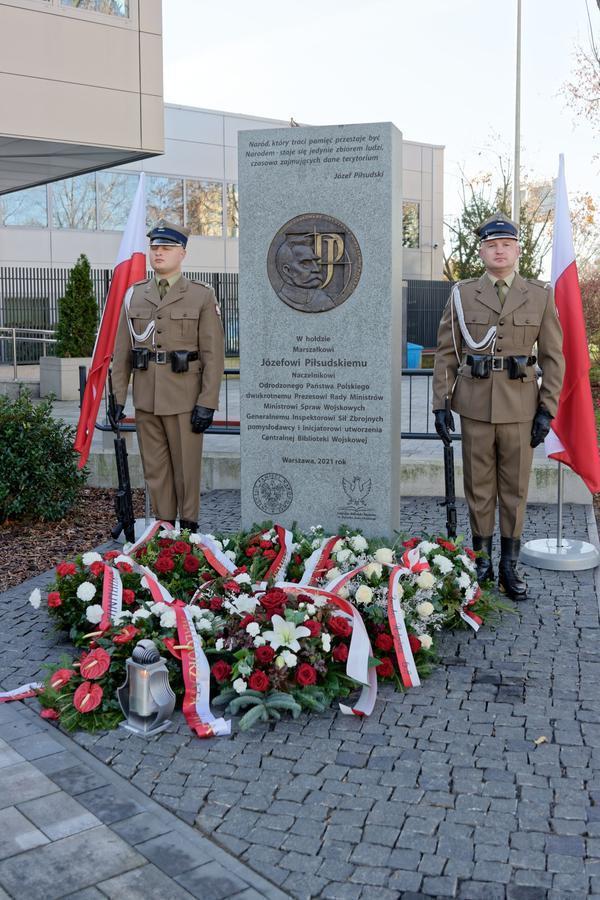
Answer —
29 298
424 306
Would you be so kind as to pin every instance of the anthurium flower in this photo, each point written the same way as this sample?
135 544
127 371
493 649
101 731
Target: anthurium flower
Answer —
94 664
285 634
87 697
59 678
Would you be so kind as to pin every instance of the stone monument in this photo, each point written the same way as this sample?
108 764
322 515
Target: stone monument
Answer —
320 325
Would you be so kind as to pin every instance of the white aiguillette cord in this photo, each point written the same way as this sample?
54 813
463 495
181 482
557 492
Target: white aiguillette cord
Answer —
489 339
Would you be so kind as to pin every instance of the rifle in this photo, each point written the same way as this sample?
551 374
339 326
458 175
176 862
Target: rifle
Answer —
450 501
123 498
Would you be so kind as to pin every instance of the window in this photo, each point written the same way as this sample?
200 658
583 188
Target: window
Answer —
27 208
204 207
116 191
107 7
74 202
233 214
410 225
164 199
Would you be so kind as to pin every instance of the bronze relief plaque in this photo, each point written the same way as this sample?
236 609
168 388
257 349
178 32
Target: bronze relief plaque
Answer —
314 263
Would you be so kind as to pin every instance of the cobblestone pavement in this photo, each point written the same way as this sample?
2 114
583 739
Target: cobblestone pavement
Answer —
442 792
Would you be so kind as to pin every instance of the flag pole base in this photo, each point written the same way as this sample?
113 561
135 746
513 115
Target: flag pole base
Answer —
571 556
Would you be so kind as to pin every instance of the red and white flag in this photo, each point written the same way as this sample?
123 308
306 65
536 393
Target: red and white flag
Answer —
572 439
129 268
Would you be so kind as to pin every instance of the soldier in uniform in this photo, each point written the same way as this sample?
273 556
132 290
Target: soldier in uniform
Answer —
484 362
170 335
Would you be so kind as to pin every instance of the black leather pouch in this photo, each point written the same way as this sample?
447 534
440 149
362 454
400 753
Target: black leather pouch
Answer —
481 367
517 367
139 358
179 361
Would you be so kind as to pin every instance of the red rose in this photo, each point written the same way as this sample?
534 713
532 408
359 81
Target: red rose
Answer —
266 545
206 576
165 542
250 551
385 669
97 568
412 542
124 567
384 642
216 603
181 547
63 569
191 563
415 643
340 626
270 554
54 599
306 674
94 664
472 556
164 564
264 655
340 653
128 597
246 620
50 714
258 681
59 678
87 697
313 626
111 554
447 545
274 600
221 671
232 586
297 559
125 635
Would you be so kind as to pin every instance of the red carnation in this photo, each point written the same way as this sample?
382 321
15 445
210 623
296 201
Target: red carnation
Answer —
340 626
447 545
266 545
97 568
221 671
306 674
111 554
181 547
63 569
246 620
87 697
164 564
384 642
340 653
412 542
385 669
165 542
232 586
94 664
472 556
125 635
258 681
50 714
264 655
415 643
61 677
54 599
128 597
270 554
124 567
250 551
313 626
216 603
191 563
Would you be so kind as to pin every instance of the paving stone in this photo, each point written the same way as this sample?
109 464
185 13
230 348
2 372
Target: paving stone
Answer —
145 883
210 882
173 853
22 781
58 815
17 833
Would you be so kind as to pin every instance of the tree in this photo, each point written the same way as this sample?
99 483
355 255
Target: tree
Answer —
583 90
77 313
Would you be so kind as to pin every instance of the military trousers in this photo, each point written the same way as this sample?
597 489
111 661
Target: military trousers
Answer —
496 467
172 461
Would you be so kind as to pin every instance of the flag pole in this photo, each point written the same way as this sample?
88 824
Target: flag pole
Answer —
559 522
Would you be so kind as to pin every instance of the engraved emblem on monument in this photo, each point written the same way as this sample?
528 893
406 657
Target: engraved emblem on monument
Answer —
357 490
272 493
314 263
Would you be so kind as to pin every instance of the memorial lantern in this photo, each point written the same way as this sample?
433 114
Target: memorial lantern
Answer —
146 697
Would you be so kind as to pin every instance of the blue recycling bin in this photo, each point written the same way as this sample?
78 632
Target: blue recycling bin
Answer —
413 355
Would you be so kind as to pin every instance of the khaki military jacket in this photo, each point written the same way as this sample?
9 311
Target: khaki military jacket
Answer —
185 319
527 316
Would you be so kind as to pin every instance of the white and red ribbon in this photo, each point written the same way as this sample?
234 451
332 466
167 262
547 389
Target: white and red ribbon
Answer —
314 565
112 597
22 692
280 563
404 654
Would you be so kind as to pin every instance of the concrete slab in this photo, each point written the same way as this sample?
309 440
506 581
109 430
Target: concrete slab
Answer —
145 883
59 815
22 781
17 833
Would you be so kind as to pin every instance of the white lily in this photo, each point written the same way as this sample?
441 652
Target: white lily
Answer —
285 634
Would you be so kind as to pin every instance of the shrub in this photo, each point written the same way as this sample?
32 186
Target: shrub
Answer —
77 313
39 478
590 298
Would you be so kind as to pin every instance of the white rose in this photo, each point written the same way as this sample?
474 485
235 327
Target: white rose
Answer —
358 543
94 613
168 619
426 547
326 642
219 644
239 685
343 555
364 594
88 558
253 629
339 545
86 591
333 573
442 563
141 614
35 598
426 641
230 555
425 581
384 555
203 625
373 569
194 539
243 578
425 609
259 641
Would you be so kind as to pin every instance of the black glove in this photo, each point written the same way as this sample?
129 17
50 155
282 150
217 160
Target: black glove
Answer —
444 424
119 414
201 419
540 426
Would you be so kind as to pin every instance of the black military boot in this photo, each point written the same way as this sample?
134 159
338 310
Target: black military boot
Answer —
485 569
186 523
509 579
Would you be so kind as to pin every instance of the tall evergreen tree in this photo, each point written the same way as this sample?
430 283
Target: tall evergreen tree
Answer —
77 313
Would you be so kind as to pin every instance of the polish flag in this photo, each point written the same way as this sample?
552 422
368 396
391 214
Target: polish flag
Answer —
572 439
129 268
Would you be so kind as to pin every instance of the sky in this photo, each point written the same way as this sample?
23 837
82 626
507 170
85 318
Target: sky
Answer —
443 73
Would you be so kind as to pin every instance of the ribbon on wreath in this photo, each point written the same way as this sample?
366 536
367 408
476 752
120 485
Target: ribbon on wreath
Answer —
280 563
470 617
22 692
212 553
315 564
112 597
404 654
